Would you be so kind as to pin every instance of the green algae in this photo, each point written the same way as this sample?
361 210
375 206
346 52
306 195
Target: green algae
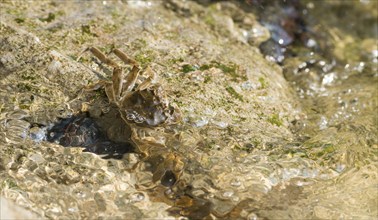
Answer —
139 43
50 17
86 29
248 147
231 69
326 150
29 75
175 60
8 184
25 87
233 93
110 28
207 79
275 120
186 68
19 20
263 83
145 57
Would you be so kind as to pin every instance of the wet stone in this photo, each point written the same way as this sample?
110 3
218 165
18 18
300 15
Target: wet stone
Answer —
82 131
206 53
100 201
222 208
37 134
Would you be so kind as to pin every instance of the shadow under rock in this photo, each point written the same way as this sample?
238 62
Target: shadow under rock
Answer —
83 131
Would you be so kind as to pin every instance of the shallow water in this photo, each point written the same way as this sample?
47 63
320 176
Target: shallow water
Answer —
324 166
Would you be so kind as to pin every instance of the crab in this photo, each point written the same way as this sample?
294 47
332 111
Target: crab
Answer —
143 103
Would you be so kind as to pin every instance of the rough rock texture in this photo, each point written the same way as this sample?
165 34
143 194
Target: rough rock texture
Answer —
232 100
9 210
236 108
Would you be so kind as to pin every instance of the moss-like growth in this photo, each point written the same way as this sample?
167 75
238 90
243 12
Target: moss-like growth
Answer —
326 149
249 147
86 29
9 184
49 18
19 20
139 43
207 79
24 87
320 150
145 57
275 120
233 93
188 68
29 75
209 20
263 83
231 69
24 106
85 34
110 28
175 60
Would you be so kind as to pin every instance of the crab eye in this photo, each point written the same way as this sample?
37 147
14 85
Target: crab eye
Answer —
130 116
139 119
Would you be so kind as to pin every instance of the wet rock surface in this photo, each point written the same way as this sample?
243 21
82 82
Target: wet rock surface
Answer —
255 139
83 131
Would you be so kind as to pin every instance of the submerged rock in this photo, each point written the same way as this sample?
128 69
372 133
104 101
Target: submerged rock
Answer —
247 146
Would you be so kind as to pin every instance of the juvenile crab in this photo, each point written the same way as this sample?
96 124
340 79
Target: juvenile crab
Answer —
143 103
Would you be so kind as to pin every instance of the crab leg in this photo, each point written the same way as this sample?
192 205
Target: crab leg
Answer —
126 59
132 76
151 79
129 83
113 91
117 82
97 53
131 79
108 89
